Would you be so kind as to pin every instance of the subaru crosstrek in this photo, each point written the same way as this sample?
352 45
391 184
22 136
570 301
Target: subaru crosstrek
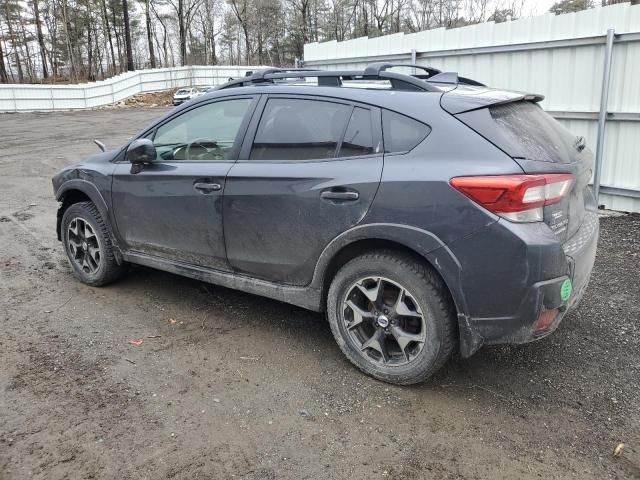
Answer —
425 213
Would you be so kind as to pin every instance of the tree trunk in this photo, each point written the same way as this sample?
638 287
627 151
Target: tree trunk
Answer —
27 54
4 78
115 31
127 36
214 59
181 32
152 57
14 43
247 45
43 50
107 29
67 30
89 53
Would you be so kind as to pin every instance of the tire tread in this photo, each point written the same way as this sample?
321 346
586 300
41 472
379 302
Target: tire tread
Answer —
112 269
443 304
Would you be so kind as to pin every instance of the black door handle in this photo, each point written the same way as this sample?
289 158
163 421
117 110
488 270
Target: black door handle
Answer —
204 187
340 195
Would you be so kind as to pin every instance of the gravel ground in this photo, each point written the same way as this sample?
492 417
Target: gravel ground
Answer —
230 385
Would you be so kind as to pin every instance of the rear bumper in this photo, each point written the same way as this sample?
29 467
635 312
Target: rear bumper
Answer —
527 323
581 255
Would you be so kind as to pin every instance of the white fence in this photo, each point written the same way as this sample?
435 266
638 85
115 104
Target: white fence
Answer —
23 97
562 57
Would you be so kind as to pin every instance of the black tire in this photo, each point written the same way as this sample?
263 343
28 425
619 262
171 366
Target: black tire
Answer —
107 269
424 289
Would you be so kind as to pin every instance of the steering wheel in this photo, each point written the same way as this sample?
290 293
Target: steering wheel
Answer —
203 149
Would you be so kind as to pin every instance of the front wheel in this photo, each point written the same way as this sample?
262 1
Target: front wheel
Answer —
88 245
392 317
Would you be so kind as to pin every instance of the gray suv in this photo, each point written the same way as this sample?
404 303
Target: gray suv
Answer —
424 213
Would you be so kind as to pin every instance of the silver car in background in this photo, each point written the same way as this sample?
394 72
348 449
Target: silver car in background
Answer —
184 94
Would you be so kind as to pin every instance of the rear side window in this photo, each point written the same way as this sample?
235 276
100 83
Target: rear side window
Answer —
297 129
401 133
358 139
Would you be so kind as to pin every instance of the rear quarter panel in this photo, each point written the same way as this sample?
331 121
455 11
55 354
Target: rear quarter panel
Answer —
415 186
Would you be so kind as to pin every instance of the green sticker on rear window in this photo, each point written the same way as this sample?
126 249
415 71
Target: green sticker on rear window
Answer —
565 290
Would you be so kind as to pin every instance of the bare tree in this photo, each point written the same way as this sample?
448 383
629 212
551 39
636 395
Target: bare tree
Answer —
4 78
147 15
43 49
88 39
127 35
240 9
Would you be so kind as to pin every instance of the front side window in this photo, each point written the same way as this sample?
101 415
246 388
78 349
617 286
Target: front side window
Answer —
204 133
296 129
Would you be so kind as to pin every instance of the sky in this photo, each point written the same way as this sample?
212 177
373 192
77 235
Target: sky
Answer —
537 7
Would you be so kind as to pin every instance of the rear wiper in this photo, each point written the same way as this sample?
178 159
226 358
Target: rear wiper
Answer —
100 145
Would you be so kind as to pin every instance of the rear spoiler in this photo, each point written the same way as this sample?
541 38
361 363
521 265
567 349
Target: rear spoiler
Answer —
465 98
452 78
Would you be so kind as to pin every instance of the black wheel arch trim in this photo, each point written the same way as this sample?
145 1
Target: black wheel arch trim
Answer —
424 243
92 192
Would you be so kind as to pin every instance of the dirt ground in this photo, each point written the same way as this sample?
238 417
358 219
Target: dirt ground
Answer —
163 98
230 385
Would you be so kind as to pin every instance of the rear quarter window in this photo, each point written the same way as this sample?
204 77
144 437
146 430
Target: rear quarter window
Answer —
401 133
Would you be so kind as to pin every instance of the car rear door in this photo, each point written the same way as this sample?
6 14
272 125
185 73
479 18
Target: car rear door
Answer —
308 170
172 207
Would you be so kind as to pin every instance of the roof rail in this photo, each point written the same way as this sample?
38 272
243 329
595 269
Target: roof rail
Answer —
258 76
374 71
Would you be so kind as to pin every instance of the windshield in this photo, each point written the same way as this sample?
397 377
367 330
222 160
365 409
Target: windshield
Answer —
183 91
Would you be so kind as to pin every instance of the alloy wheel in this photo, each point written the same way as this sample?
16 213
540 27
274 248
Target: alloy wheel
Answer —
83 245
384 321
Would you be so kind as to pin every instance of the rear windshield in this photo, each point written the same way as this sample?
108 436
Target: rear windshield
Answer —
538 134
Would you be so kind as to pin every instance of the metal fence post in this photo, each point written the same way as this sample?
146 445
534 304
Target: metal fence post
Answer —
602 115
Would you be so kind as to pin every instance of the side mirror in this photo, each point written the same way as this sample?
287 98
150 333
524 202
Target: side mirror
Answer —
140 151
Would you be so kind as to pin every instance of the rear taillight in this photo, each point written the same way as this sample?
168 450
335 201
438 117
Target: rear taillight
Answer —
518 198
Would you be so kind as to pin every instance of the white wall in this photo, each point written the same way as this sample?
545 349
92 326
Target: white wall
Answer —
561 57
26 97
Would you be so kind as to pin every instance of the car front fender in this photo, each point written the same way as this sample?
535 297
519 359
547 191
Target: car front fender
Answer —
70 187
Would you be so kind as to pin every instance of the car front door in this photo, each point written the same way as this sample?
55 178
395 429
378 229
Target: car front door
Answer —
172 207
309 169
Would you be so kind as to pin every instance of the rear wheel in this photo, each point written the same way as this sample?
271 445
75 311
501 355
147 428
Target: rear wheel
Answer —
392 317
88 245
